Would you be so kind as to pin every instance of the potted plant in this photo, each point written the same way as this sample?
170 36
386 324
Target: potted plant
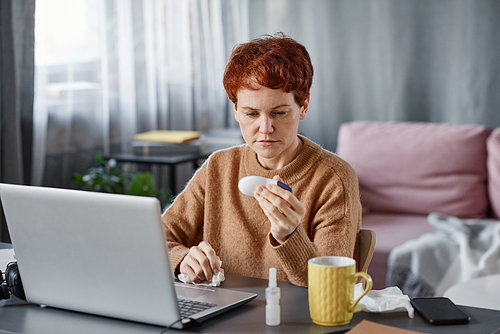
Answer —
110 177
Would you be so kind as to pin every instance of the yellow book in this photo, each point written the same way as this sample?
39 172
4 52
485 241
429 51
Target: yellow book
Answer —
167 136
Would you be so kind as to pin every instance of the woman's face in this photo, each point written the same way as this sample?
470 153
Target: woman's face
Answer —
269 121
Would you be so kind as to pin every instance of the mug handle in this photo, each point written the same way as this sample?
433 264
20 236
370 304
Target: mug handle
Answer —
369 284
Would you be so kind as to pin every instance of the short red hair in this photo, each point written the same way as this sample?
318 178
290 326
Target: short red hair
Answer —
276 62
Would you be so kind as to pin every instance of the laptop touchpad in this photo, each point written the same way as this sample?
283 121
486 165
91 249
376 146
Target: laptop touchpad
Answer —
191 291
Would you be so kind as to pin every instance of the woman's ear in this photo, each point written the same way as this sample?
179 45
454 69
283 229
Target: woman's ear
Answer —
235 109
305 108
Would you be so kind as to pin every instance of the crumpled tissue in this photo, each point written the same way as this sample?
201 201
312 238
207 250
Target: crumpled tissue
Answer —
217 279
390 299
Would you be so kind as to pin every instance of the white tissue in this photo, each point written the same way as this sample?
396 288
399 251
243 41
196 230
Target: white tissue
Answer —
217 279
390 299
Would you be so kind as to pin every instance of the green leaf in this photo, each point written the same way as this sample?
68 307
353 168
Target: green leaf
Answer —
100 160
142 184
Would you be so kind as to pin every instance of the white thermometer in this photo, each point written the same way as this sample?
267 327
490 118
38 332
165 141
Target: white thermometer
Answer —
249 184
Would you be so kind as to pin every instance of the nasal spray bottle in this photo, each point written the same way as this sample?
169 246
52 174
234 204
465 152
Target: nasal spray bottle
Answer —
273 295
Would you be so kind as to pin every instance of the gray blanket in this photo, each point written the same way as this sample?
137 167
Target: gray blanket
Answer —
457 251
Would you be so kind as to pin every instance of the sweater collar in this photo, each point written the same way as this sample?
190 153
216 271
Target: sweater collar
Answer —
296 169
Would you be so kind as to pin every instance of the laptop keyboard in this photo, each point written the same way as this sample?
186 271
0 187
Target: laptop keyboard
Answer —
190 307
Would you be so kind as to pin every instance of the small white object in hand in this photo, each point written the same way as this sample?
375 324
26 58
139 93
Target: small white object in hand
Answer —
390 299
217 279
249 184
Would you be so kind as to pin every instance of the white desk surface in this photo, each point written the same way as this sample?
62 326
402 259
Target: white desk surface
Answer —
483 292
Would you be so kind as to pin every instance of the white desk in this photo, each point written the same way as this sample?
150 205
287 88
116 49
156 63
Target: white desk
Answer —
481 292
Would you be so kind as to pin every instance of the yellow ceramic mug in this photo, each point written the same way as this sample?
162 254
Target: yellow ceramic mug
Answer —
331 282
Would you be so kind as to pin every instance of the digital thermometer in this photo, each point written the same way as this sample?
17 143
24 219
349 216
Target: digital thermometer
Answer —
249 184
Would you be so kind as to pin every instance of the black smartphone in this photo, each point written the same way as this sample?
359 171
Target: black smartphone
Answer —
440 311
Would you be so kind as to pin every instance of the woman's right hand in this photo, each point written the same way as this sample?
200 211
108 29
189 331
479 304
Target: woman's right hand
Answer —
201 263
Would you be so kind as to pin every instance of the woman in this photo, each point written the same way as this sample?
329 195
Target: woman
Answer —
268 80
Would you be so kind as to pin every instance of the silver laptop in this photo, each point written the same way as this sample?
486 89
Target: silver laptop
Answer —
102 254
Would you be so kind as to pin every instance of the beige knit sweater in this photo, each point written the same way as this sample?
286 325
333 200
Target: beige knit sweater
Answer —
212 209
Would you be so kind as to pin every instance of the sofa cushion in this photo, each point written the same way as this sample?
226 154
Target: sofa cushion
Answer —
418 168
392 230
493 163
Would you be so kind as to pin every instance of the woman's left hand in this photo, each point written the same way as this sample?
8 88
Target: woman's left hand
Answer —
282 208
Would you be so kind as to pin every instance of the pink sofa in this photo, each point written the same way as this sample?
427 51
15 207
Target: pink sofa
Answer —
408 170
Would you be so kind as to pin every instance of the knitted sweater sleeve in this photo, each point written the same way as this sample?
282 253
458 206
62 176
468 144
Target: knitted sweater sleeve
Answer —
329 227
184 228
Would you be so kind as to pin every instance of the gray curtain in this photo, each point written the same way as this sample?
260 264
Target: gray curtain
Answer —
393 60
16 93
131 66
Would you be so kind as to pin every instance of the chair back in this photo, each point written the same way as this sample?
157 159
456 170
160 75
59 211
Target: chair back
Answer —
366 246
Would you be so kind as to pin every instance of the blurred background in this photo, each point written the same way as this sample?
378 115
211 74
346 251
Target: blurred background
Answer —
80 78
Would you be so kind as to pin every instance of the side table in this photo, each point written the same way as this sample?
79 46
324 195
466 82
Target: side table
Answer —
170 160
